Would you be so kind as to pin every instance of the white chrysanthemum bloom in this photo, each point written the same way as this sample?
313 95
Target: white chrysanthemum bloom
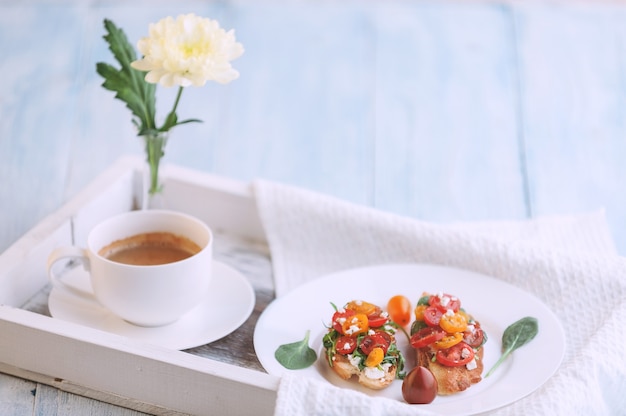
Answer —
190 50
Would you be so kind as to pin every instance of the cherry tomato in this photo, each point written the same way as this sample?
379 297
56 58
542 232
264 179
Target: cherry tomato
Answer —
426 336
376 321
432 316
356 324
339 318
345 345
453 323
456 356
419 312
474 335
445 302
399 308
448 341
366 308
376 340
375 357
419 386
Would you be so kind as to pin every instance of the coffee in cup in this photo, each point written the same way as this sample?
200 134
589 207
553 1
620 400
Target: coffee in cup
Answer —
149 249
148 267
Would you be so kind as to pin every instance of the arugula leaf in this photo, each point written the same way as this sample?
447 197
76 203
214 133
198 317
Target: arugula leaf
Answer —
296 355
127 82
516 335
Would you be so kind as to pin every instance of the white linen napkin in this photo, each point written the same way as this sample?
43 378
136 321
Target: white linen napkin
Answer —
570 263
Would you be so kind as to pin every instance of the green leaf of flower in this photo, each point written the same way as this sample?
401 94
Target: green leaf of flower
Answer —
127 82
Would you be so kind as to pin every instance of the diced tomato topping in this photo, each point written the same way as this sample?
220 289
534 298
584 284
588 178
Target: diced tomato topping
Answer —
426 336
346 345
432 316
453 323
376 321
376 340
475 336
445 302
340 317
355 324
456 356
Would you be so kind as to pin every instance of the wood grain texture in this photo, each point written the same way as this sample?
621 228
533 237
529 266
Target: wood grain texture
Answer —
440 110
444 111
573 103
447 144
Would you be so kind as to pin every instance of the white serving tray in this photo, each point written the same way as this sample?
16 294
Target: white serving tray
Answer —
108 367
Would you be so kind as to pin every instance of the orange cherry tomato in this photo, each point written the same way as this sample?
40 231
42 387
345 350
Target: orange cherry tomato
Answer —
453 323
375 357
355 324
448 341
399 309
419 312
360 306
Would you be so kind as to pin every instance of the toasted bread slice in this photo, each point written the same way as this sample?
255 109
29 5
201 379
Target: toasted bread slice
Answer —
451 380
345 370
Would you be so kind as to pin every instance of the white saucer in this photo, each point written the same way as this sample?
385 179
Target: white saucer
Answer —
228 304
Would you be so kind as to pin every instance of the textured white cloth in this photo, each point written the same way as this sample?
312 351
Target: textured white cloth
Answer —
570 263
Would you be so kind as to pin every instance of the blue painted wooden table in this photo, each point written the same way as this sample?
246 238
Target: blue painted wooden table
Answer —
439 110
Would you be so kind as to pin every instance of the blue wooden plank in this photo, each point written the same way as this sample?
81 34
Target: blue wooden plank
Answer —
573 66
16 397
302 111
37 112
447 134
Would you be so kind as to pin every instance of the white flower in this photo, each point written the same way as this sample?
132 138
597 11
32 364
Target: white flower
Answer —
190 50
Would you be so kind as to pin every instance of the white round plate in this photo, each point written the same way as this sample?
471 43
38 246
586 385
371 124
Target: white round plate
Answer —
230 298
494 303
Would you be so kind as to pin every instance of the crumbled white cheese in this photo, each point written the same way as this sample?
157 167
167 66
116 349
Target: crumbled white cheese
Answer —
471 365
346 346
384 314
352 329
450 312
341 320
371 332
444 300
389 329
354 360
374 373
465 353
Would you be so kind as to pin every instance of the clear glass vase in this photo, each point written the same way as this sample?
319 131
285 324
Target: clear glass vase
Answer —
154 143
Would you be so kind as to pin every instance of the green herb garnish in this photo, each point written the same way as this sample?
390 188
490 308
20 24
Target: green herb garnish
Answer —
296 355
516 335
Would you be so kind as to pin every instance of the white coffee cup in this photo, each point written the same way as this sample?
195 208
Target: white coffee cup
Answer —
145 295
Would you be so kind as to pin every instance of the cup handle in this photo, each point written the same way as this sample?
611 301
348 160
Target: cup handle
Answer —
70 253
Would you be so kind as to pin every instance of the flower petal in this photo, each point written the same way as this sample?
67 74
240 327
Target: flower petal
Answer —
188 50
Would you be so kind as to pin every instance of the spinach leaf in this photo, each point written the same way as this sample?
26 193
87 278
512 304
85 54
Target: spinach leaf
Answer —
516 335
296 355
423 300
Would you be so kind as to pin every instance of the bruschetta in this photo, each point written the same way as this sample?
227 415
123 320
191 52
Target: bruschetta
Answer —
448 341
361 343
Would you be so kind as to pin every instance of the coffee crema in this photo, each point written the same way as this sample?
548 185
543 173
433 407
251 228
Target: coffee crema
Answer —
150 249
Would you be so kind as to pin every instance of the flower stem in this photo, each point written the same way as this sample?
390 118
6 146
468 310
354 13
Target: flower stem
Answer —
172 119
180 92
155 143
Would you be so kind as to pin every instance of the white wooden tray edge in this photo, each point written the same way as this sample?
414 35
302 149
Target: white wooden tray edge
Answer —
103 365
128 373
